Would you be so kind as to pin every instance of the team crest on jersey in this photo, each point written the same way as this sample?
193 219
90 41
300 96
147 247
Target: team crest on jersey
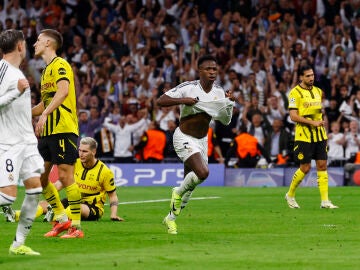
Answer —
62 71
11 177
300 156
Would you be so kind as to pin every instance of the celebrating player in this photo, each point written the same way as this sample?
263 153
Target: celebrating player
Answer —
200 101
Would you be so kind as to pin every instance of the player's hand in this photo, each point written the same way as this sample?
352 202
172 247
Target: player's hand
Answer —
116 218
230 95
22 85
40 124
318 123
190 101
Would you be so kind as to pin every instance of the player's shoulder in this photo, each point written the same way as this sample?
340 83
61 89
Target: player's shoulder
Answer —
104 167
60 62
218 87
188 84
296 91
9 71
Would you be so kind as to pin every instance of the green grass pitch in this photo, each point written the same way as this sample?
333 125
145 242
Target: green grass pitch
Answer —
229 228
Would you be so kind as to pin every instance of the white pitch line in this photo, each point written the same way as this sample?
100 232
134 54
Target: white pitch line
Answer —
165 200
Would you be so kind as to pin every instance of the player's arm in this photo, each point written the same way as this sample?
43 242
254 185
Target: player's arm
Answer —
113 199
13 92
165 101
294 115
38 109
59 97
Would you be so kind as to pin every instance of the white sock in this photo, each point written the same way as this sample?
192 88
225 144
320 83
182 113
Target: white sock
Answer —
171 216
27 215
6 199
185 198
190 182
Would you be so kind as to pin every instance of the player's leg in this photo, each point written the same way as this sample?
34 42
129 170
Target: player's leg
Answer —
27 216
322 175
303 154
7 198
52 195
32 167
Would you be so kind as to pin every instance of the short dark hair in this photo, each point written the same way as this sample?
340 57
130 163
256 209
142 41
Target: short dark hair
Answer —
207 57
9 39
54 35
304 68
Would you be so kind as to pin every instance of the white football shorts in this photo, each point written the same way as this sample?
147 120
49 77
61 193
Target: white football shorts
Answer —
20 161
185 145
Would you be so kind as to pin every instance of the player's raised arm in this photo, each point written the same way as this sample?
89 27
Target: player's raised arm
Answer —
165 101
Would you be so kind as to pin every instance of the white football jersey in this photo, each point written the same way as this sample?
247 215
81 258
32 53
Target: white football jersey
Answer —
213 103
15 108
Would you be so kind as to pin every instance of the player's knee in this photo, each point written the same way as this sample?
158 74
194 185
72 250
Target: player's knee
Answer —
305 168
203 174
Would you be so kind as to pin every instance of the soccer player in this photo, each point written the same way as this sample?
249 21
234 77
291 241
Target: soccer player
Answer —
199 101
95 180
58 128
19 156
305 108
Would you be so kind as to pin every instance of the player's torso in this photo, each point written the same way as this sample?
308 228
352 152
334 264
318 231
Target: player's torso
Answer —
64 118
89 180
310 103
15 121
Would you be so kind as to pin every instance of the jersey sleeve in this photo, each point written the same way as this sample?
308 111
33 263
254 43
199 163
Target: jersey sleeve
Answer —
294 100
109 183
176 92
62 71
10 94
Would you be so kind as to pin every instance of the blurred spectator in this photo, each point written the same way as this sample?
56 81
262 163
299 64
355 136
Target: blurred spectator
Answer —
163 115
332 112
170 154
152 144
352 140
336 141
214 151
124 146
246 148
277 143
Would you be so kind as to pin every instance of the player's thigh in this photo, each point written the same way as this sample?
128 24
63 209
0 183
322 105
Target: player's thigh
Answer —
321 150
32 167
198 165
11 161
186 146
303 152
66 174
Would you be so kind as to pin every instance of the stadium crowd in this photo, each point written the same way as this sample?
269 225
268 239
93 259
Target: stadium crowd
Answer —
125 54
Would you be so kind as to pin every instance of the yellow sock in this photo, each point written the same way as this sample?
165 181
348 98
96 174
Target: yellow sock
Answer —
322 179
53 198
39 211
74 200
17 215
297 178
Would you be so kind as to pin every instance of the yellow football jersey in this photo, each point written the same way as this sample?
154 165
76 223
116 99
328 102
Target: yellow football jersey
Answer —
94 183
64 118
309 105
